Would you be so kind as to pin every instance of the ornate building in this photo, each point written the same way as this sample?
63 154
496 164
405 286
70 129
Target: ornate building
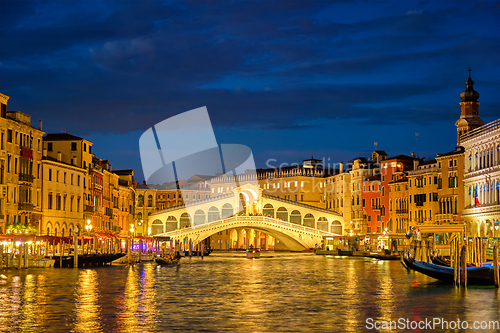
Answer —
482 179
20 175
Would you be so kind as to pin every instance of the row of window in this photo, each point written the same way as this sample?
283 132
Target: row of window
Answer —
59 202
23 140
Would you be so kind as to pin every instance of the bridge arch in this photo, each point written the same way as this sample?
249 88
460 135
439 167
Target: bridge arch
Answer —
293 236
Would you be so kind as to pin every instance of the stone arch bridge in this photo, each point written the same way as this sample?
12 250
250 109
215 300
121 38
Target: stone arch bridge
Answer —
295 224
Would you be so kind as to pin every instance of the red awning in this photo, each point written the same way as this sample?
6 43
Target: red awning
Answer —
104 235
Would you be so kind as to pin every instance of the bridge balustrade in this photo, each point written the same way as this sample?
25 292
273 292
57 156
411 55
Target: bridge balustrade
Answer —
252 218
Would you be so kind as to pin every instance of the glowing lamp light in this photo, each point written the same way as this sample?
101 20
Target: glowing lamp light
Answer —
18 243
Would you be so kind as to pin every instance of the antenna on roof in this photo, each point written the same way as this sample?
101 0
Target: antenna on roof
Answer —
376 145
416 138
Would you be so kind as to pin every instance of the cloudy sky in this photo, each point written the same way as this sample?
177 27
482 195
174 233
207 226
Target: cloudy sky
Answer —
289 79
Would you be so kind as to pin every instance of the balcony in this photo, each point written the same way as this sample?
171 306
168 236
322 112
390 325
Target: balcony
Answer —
24 177
401 231
444 217
88 209
2 216
25 206
419 203
99 209
109 212
401 211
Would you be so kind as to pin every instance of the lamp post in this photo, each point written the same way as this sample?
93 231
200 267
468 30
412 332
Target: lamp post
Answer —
88 227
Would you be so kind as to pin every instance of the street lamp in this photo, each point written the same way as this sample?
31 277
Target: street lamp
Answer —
88 227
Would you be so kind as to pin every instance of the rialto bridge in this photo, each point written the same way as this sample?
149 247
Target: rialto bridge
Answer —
294 224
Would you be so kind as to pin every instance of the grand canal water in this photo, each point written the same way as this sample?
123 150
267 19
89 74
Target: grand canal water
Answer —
281 292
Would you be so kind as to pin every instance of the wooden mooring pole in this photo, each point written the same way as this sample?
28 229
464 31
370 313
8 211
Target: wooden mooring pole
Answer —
75 249
495 266
463 264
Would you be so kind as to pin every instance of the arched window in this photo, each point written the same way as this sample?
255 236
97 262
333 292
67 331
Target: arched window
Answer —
309 220
268 210
295 217
282 214
150 201
199 217
227 210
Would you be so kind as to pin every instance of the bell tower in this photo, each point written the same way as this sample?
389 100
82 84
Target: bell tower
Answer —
469 110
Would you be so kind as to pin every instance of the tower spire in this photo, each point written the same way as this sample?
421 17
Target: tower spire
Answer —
469 110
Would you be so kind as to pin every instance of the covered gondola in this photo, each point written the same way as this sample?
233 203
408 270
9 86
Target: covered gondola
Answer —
475 275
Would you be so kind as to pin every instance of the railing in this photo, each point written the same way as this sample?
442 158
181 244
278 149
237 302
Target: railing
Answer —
88 209
25 206
300 204
401 231
25 177
401 211
252 218
489 127
444 217
419 203
99 209
2 216
193 203
422 171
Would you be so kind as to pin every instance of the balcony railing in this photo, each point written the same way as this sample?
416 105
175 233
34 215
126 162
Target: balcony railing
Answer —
25 177
401 211
419 203
25 206
2 216
401 231
88 208
485 129
444 217
99 209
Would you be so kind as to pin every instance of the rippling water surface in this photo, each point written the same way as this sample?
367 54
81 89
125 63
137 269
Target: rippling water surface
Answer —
281 292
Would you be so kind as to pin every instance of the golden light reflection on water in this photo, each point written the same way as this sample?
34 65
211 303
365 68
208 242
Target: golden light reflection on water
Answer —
147 301
87 307
128 313
28 306
385 299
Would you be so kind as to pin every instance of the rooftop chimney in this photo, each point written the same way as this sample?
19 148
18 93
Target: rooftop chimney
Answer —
40 124
412 154
59 156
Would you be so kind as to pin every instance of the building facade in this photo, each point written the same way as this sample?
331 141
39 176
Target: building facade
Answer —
482 180
20 163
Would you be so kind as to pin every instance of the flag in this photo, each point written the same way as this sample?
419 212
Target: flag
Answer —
476 199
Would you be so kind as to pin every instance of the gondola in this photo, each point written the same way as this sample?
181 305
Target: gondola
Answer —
206 252
384 256
475 275
167 262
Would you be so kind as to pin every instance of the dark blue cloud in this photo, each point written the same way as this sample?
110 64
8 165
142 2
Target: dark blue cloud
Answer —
115 67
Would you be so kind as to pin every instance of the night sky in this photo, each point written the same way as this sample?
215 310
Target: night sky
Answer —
289 79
